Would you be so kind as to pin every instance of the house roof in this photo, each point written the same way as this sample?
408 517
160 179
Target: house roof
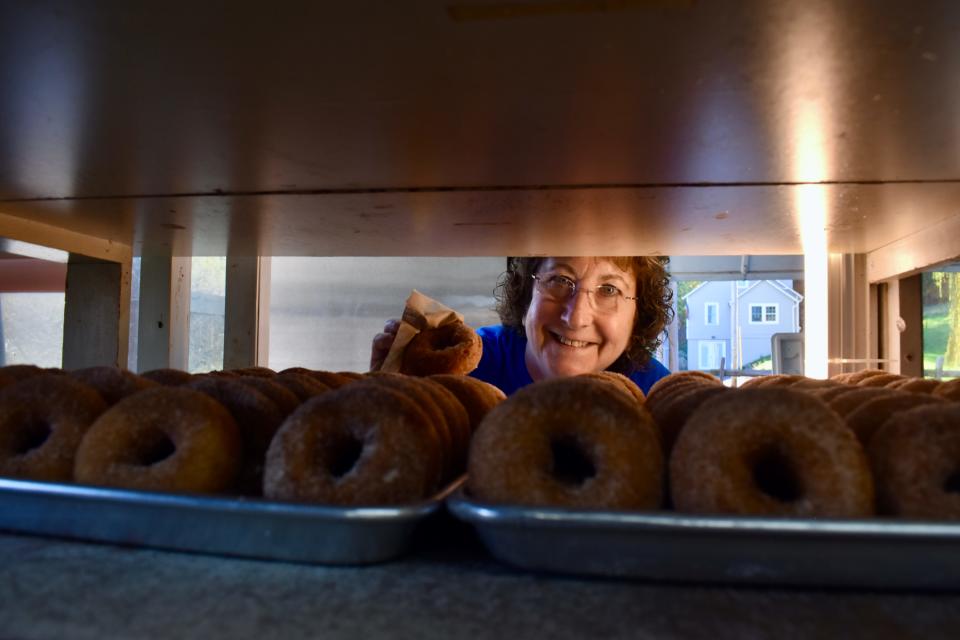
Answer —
787 291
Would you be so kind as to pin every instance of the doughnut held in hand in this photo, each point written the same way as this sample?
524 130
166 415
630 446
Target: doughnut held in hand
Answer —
450 348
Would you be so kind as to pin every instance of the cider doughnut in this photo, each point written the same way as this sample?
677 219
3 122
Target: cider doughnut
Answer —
42 420
476 396
569 442
915 385
162 439
261 372
620 382
880 380
436 422
167 377
870 415
257 418
285 400
949 390
112 383
301 384
663 388
769 451
672 414
361 444
845 403
450 348
857 377
916 462
12 373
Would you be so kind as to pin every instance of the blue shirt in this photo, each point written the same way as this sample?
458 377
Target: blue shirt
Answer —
502 363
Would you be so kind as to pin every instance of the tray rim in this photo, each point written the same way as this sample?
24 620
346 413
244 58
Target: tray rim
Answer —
477 512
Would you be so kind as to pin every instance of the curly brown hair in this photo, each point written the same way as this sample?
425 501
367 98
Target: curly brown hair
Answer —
654 311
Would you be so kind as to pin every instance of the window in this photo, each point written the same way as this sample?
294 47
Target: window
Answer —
711 351
941 322
764 313
711 313
324 312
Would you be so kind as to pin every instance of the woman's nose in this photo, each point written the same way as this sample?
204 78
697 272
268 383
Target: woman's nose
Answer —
578 311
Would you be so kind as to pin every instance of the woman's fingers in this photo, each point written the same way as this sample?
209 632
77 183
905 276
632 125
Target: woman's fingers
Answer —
382 343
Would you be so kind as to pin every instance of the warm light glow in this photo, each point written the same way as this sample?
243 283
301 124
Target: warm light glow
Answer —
812 207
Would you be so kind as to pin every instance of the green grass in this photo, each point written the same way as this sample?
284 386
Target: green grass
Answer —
936 331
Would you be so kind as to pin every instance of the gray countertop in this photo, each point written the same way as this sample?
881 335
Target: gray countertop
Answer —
446 587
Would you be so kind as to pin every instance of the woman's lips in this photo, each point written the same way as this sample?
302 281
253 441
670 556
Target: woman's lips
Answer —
567 342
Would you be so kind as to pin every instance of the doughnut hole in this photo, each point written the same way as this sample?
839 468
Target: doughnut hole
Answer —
775 476
341 453
31 437
156 450
571 463
952 483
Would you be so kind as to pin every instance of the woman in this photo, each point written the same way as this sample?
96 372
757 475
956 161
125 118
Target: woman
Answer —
567 316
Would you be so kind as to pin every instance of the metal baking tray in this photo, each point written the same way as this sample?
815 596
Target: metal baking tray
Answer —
873 554
235 526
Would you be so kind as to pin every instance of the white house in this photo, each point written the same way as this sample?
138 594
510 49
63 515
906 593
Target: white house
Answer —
736 320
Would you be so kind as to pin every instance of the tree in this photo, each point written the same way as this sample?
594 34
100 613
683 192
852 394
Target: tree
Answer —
951 359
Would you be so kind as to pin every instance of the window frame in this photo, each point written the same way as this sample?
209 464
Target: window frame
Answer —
706 314
764 307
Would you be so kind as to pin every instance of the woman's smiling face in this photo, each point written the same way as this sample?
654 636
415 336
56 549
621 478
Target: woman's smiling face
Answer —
571 337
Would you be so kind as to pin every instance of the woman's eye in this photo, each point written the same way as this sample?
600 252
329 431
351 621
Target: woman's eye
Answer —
608 291
560 282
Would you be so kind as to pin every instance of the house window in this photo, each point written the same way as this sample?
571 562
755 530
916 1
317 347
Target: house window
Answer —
710 353
764 313
711 313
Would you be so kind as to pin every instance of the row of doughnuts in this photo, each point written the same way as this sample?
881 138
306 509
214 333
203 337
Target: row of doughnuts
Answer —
214 433
787 446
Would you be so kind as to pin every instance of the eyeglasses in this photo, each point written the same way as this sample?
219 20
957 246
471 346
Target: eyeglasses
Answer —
559 288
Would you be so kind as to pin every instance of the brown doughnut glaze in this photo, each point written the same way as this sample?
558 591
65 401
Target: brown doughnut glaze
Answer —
450 348
363 444
572 442
162 439
869 416
167 377
42 420
112 383
476 396
949 390
916 462
257 418
769 451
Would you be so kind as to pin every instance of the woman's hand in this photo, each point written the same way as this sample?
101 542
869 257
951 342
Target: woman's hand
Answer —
382 343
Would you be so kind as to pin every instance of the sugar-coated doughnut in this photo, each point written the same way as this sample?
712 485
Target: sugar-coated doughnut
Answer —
301 384
112 383
851 401
665 387
436 422
949 390
881 380
857 377
450 348
42 420
769 451
916 462
915 385
620 382
167 376
286 400
572 442
257 418
869 416
362 444
162 439
672 414
476 396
